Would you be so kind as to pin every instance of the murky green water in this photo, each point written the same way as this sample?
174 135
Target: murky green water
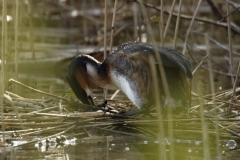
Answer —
114 146
121 148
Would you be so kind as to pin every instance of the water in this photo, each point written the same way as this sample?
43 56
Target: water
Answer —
119 147
94 144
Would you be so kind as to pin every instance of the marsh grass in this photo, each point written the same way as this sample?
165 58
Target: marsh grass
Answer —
212 116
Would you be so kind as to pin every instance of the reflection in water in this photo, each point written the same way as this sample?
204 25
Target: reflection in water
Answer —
123 147
120 147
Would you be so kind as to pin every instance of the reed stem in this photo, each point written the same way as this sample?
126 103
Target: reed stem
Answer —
190 27
16 41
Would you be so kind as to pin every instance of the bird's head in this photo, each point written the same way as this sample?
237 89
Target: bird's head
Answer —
79 80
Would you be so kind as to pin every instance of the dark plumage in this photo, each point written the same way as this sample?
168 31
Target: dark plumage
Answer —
128 69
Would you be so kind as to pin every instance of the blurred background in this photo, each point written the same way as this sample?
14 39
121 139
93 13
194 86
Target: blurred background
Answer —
39 38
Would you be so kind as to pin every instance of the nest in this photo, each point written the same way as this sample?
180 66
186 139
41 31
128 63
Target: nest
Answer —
25 119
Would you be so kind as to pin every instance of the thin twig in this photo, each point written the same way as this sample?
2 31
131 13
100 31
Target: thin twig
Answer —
235 29
15 108
161 24
114 95
123 133
232 132
16 42
111 39
73 115
158 104
177 24
234 5
190 27
169 19
113 21
236 80
105 39
44 138
36 90
47 129
230 44
205 137
199 65
45 109
14 95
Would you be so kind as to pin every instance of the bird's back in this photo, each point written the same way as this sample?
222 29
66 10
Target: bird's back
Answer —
129 69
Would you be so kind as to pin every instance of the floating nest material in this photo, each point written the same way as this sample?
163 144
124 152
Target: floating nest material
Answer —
26 119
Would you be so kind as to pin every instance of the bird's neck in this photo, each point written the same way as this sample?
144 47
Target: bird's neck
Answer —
99 75
92 70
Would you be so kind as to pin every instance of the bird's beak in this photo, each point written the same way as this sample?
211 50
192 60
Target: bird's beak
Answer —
90 100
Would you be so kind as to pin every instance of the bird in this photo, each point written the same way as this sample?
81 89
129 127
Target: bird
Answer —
128 69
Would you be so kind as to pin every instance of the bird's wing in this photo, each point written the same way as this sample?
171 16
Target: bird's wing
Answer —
170 57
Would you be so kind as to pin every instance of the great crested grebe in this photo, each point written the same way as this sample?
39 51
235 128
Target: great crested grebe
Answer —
127 68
